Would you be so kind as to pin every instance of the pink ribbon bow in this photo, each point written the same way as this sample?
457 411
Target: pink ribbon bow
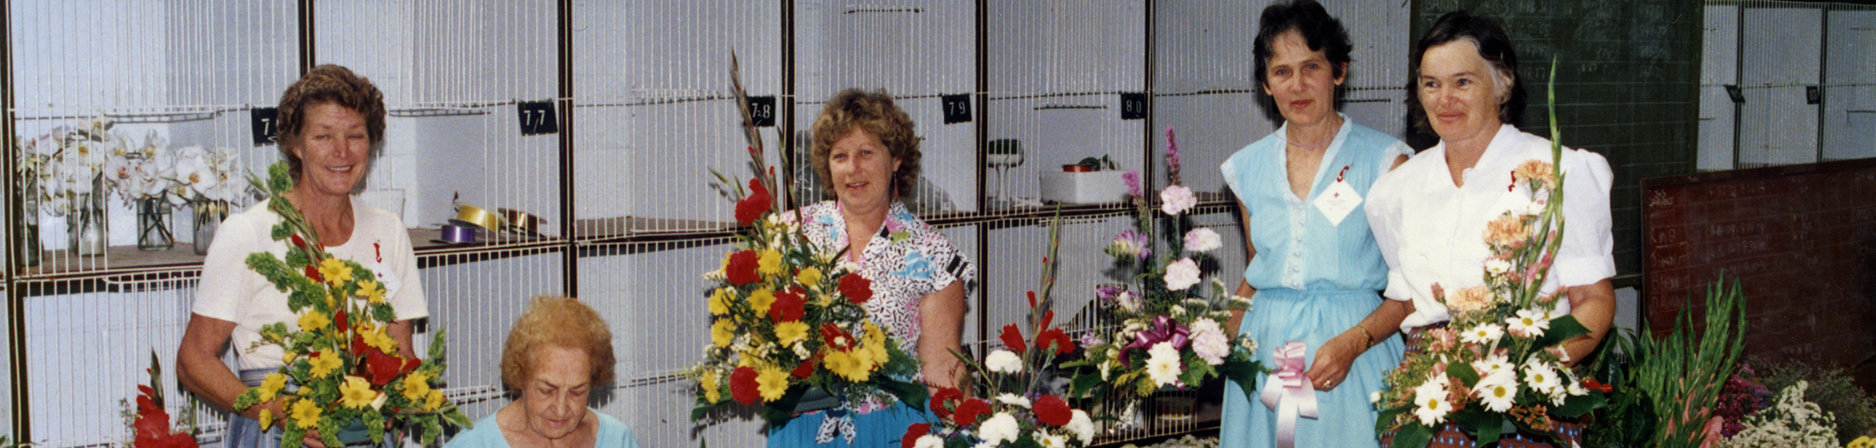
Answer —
1289 393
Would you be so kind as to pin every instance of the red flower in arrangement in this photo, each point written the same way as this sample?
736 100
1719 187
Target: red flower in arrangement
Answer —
857 289
359 345
1055 336
912 433
970 410
343 324
751 208
946 399
297 241
788 306
1013 338
1597 385
313 273
836 338
742 267
743 385
807 367
384 368
152 424
1051 410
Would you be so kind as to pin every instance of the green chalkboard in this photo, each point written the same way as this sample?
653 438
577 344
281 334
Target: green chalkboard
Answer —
1627 87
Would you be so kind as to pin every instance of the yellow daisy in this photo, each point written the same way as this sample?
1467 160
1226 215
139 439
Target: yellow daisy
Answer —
356 392
314 321
306 414
709 384
772 383
435 400
267 418
271 386
324 363
769 264
721 334
720 301
761 299
788 332
847 365
336 272
809 277
416 386
372 291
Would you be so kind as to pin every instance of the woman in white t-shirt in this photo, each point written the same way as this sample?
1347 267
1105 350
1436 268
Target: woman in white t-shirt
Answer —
1429 214
330 121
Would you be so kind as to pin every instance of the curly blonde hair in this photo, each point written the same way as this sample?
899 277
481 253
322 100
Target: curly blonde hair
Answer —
561 322
327 84
875 112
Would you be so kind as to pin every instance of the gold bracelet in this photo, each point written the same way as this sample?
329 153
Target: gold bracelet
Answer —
1365 334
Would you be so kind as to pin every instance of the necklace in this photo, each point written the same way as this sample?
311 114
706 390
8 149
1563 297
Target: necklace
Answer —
1299 144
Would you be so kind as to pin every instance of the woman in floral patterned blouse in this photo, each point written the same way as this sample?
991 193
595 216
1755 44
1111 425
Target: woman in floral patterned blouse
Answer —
867 155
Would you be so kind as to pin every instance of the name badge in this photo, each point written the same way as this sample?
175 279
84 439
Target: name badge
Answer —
1338 200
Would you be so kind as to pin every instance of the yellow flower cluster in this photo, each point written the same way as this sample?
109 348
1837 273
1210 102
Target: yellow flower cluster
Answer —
314 320
324 363
1862 442
372 291
787 333
712 392
374 336
720 301
772 382
761 300
769 263
306 413
271 386
356 392
809 277
721 333
416 386
857 365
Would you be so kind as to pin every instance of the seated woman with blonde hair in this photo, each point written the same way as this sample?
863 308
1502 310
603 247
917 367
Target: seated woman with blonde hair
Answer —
558 353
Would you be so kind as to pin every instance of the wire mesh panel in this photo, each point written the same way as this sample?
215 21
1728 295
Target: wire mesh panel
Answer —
1057 74
164 76
89 343
652 294
1780 59
918 51
1849 96
453 74
656 112
1788 82
474 301
1719 81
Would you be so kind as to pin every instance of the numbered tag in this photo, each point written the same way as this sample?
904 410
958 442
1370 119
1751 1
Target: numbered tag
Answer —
265 121
1133 106
957 108
537 117
762 111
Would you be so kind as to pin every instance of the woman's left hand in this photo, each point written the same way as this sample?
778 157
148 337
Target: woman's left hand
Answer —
1333 359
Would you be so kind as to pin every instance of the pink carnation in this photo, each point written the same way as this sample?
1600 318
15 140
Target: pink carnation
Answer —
1177 199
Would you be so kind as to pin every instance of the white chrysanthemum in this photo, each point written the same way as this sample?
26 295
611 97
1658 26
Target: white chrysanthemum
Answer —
1050 441
1203 239
929 441
1003 361
1081 426
999 428
1528 323
1483 334
1013 400
1162 364
1182 274
1497 266
1430 404
1498 390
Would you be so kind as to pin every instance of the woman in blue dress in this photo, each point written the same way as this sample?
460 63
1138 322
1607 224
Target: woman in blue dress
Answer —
1314 270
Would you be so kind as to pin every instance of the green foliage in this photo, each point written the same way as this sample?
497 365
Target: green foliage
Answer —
1683 372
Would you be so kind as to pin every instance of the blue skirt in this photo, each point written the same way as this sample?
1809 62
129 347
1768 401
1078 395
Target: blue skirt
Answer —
882 428
1345 416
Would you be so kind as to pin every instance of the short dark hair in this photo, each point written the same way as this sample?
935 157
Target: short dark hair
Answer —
1494 46
1306 17
327 84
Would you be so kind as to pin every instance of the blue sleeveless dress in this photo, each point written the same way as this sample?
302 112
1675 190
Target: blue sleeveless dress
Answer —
1315 279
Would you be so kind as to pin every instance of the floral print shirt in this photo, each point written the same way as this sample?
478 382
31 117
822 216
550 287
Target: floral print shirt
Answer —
907 261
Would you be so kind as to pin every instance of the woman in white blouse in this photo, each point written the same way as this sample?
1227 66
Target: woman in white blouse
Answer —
1429 214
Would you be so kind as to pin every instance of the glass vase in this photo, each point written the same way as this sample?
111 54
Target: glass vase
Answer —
208 217
153 225
86 223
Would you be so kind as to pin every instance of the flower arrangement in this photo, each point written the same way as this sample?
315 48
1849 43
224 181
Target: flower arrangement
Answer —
1834 391
142 171
1020 410
69 163
150 422
1792 422
350 373
205 174
1171 332
1499 361
788 321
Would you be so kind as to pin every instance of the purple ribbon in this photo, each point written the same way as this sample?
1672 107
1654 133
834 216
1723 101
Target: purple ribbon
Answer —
1289 393
1163 330
458 234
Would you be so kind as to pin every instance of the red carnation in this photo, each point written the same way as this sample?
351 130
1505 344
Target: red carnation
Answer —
806 368
943 401
742 267
1051 410
751 208
970 410
1013 338
857 289
1063 345
313 273
912 433
788 307
743 385
836 338
338 318
384 368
